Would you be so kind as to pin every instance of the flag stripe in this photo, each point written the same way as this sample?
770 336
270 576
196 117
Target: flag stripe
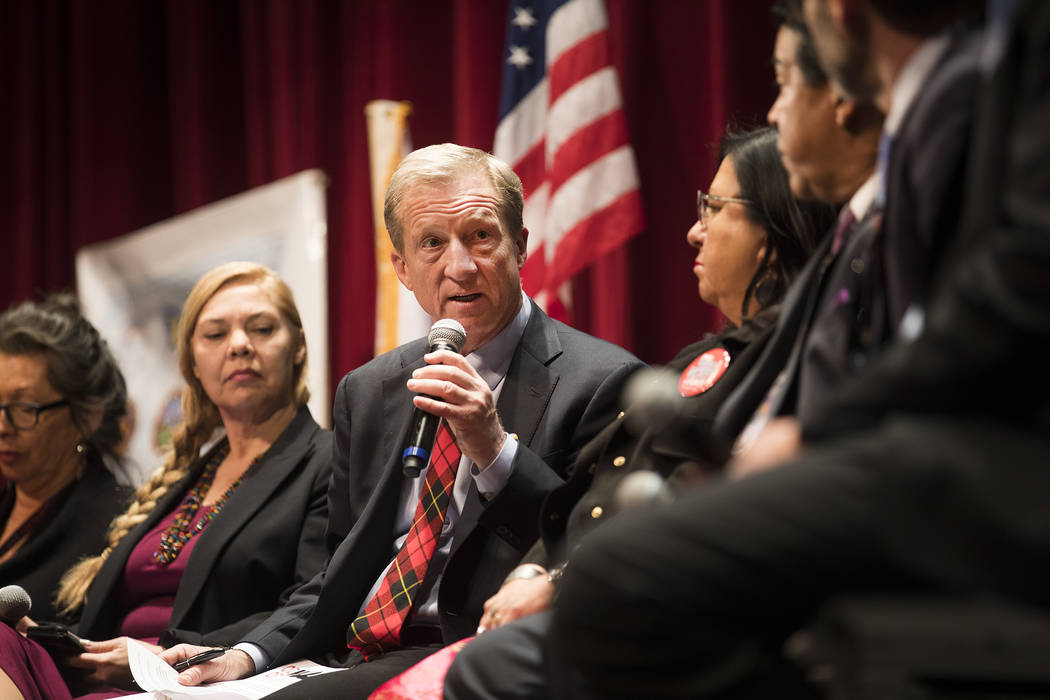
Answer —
589 240
588 190
572 23
532 168
535 215
523 127
586 58
588 144
589 99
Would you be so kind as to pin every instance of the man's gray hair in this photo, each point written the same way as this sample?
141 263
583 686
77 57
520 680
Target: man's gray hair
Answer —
439 165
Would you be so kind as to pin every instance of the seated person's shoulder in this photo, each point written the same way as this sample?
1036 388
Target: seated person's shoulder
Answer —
576 343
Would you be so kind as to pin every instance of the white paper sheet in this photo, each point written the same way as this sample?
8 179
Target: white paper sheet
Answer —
161 680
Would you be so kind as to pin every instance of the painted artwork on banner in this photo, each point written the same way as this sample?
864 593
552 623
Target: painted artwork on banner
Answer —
133 287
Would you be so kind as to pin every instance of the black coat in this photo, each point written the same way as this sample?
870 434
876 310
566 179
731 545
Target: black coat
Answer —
627 445
76 531
267 539
561 388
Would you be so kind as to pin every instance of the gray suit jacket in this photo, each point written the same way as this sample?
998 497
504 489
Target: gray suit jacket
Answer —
562 387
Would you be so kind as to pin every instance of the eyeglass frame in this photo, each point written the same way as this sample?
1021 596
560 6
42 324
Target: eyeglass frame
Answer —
702 206
37 409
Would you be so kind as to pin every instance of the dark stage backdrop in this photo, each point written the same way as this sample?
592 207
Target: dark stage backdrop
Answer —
121 113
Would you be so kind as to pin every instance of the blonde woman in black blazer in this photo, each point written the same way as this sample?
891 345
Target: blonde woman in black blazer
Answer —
217 535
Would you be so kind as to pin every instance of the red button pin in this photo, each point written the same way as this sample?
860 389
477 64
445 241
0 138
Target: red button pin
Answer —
703 372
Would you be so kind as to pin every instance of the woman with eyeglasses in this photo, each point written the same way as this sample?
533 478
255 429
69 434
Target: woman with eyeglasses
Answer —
753 238
62 399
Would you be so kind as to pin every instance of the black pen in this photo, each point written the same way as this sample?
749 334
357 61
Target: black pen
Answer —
198 659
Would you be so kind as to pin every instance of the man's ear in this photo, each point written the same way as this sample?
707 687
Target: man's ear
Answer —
522 244
398 261
845 108
848 15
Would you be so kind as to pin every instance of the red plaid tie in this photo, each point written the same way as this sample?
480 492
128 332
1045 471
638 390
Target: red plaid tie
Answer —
378 629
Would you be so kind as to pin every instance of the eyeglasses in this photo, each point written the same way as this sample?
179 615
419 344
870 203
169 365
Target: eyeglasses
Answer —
25 416
705 202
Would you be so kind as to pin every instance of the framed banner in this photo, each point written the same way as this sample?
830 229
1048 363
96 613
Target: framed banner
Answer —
133 287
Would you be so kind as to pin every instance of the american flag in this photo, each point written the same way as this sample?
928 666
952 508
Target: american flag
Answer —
563 131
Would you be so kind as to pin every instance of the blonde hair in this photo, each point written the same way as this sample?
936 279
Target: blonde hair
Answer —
200 417
440 164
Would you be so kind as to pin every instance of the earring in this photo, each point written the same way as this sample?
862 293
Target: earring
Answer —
81 449
766 291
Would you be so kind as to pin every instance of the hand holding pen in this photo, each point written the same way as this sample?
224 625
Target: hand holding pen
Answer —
199 658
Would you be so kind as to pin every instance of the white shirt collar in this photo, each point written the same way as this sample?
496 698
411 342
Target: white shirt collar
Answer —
492 360
864 197
911 79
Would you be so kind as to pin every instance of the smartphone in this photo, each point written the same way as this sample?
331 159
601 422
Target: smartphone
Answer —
58 639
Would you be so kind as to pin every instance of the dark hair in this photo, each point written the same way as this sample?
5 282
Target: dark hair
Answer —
789 14
927 17
79 364
792 227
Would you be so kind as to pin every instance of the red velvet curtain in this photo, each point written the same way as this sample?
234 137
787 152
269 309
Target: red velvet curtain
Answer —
124 112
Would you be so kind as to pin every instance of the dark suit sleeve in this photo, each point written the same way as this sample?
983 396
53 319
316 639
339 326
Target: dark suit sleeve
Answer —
514 513
340 519
982 349
274 632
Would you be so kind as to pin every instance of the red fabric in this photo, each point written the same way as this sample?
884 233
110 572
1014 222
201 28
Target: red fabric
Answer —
379 627
121 113
29 667
424 681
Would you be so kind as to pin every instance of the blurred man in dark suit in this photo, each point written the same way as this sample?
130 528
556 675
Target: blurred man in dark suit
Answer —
931 478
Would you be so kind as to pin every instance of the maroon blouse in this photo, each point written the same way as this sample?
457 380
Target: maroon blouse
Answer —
147 590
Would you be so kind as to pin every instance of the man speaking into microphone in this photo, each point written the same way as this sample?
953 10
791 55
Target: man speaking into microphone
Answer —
411 563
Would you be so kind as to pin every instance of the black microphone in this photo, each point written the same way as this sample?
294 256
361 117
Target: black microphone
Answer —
15 604
655 404
446 334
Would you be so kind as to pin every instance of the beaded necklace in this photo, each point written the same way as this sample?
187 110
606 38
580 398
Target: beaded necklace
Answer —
182 530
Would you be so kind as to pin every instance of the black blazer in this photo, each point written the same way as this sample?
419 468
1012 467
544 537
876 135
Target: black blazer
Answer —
587 498
77 530
926 175
268 538
562 387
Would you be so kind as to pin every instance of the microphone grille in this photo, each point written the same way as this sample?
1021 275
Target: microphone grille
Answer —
14 603
653 398
448 331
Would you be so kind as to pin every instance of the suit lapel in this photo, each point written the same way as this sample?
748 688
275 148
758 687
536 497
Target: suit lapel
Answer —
366 546
523 399
275 465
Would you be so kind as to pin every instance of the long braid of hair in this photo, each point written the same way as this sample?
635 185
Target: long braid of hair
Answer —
196 429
